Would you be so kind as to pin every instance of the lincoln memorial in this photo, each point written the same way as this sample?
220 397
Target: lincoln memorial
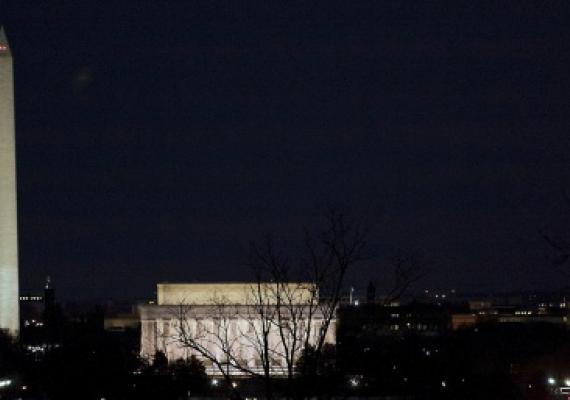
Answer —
227 324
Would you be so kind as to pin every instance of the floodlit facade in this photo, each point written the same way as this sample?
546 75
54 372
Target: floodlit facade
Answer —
225 320
9 301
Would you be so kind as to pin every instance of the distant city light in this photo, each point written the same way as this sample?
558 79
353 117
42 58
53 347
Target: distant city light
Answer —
443 384
551 381
567 382
355 381
5 382
37 349
215 382
234 385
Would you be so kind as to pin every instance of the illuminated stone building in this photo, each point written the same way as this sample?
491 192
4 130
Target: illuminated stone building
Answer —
9 307
210 312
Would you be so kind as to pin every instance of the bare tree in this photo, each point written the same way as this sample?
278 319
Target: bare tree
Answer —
408 269
558 240
307 293
291 307
560 250
207 332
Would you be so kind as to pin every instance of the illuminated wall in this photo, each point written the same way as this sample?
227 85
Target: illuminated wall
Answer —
231 293
235 320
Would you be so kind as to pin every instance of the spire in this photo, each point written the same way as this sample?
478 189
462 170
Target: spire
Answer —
4 46
9 305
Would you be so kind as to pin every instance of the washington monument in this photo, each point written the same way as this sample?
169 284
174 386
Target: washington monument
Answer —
9 300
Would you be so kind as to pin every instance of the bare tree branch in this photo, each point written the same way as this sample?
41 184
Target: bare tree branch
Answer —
408 269
290 307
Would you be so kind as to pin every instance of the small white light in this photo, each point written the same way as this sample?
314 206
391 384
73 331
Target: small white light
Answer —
234 384
567 382
214 382
551 381
443 384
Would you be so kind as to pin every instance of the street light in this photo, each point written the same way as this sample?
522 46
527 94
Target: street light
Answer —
5 383
551 381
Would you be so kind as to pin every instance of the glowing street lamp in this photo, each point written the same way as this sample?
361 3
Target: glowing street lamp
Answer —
5 383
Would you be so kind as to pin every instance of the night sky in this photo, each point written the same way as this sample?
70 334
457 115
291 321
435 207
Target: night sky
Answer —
157 138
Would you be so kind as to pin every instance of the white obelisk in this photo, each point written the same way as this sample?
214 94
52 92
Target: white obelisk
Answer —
9 300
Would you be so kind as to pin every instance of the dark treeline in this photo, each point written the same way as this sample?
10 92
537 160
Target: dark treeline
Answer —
485 361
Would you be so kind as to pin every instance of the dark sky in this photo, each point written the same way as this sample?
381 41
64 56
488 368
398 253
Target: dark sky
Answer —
157 138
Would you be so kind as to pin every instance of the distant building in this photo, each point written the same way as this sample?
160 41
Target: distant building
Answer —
38 310
41 320
371 293
121 318
486 311
31 310
207 305
377 320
